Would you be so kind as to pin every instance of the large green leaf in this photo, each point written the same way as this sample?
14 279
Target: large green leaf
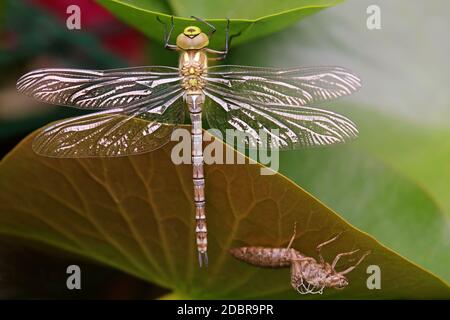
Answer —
419 153
404 65
252 19
398 171
376 199
136 214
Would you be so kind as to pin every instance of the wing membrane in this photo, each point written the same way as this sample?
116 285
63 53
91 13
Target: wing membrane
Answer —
135 129
256 101
283 126
90 89
295 87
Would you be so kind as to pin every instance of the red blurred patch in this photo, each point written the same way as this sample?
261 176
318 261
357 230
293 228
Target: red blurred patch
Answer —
115 36
8 40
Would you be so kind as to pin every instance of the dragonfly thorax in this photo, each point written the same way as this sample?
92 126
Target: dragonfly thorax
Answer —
193 64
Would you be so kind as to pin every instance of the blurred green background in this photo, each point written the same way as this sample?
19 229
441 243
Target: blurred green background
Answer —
394 182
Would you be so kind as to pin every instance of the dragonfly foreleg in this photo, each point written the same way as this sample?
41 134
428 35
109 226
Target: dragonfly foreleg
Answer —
211 26
223 54
168 34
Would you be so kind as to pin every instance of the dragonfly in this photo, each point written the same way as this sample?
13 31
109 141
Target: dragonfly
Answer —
137 108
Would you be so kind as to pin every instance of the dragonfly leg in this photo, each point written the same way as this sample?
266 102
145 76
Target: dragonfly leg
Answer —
213 29
227 39
168 33
355 265
320 246
293 235
340 255
223 54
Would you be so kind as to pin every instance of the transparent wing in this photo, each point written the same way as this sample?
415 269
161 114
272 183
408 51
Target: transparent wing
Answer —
295 87
138 128
90 89
265 125
272 106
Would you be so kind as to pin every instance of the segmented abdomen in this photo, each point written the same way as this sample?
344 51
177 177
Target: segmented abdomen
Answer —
265 257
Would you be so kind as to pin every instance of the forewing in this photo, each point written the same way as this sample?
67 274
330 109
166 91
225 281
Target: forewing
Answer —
268 125
91 89
272 106
295 87
117 132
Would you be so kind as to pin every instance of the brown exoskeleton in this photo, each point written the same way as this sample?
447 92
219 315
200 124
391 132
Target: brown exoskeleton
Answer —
307 274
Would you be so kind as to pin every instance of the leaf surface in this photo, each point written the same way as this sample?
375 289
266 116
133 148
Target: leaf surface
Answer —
251 19
136 214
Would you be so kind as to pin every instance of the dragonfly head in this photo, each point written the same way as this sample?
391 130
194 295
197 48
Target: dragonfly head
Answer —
192 38
337 281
